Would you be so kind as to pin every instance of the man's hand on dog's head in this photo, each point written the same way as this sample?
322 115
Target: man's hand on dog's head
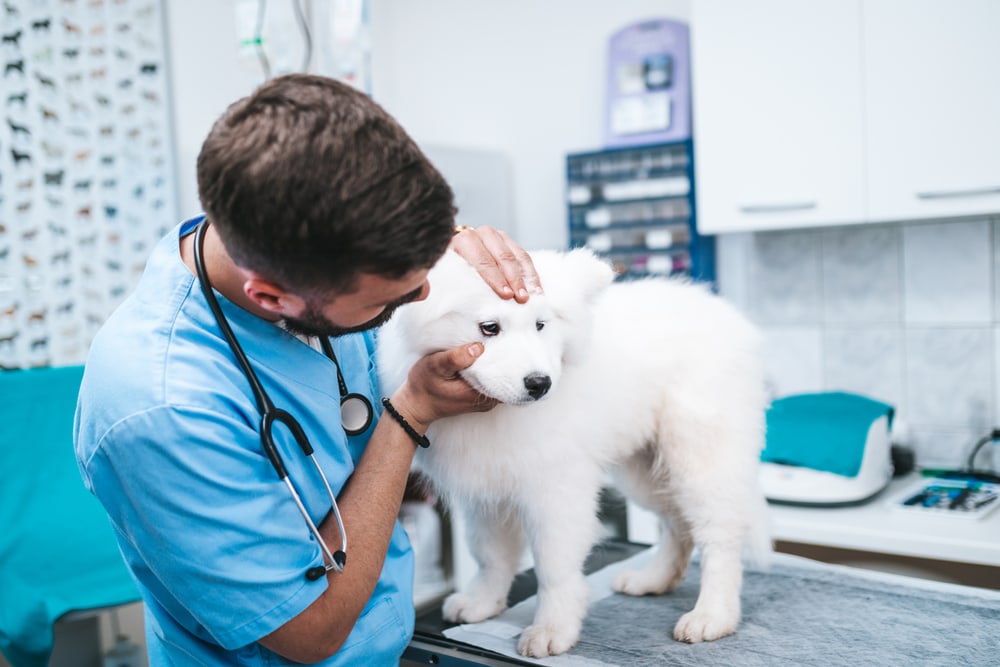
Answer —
504 265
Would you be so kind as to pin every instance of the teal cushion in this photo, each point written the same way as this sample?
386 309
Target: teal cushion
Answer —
823 431
57 549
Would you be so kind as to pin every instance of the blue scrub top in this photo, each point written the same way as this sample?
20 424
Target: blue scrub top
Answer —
167 438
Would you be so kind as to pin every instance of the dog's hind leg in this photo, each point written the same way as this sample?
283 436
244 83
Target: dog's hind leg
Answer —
717 531
667 567
642 482
497 542
702 476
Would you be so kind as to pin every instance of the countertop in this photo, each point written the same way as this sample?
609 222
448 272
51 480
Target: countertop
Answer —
882 527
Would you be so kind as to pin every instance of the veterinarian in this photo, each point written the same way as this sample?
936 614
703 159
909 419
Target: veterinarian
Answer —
249 330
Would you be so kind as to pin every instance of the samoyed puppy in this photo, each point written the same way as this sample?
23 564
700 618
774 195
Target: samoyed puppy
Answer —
656 383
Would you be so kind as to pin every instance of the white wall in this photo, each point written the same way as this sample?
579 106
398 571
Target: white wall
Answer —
523 77
207 74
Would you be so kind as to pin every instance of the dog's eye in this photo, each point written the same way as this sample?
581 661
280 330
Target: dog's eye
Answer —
539 325
489 328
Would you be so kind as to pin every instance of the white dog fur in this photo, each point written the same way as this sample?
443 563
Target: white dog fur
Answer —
658 382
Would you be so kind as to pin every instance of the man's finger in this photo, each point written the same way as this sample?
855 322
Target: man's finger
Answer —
470 245
515 264
503 264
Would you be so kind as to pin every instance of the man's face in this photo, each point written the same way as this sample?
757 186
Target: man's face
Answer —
370 305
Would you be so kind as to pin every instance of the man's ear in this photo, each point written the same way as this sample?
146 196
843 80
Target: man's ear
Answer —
271 297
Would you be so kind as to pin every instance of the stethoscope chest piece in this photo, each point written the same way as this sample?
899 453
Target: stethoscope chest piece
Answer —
356 413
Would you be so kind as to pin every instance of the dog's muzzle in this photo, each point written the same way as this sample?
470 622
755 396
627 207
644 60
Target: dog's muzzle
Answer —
537 385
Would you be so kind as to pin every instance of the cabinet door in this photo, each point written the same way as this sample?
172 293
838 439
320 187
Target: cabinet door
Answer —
777 113
933 107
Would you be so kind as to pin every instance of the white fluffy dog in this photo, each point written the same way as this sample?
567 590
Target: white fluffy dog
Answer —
658 382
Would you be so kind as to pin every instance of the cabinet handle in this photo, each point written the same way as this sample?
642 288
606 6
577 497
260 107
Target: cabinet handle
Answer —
775 208
948 194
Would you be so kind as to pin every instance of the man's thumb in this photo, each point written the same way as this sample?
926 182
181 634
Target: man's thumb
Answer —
467 354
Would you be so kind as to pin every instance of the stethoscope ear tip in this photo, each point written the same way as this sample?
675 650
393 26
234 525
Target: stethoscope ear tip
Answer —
318 572
339 560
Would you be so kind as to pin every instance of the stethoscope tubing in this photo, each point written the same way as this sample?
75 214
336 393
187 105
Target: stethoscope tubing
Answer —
269 414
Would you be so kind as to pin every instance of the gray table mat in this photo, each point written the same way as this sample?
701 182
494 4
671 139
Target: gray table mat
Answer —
797 612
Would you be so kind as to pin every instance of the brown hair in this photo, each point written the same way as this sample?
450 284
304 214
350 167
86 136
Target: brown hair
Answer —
310 182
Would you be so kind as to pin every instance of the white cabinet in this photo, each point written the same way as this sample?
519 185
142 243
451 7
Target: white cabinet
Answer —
777 102
844 111
932 108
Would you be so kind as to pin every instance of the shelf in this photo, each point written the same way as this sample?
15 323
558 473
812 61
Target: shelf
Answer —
635 206
632 239
638 224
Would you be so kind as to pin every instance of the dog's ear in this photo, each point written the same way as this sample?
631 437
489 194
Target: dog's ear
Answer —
592 274
572 282
578 272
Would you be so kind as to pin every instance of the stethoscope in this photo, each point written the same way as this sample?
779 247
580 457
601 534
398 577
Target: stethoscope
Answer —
356 416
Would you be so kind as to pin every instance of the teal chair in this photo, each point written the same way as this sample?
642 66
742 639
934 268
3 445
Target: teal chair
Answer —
58 555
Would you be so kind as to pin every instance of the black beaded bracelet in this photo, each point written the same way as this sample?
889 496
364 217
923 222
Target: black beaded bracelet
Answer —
417 438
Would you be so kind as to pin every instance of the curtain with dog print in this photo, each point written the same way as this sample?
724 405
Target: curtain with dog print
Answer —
86 168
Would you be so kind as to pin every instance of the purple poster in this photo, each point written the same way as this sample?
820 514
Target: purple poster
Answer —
649 85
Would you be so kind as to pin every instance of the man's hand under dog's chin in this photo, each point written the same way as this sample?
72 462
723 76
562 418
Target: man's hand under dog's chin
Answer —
435 387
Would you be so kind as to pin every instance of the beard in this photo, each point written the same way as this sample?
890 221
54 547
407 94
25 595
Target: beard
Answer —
312 322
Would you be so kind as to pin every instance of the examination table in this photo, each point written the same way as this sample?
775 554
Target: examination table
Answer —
57 550
797 612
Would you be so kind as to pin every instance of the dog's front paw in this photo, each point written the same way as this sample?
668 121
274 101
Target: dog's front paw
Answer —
465 608
540 641
699 626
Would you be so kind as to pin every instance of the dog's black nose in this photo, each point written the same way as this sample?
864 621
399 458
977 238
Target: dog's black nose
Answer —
537 385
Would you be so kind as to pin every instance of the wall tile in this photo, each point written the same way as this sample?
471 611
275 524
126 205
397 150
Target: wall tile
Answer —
861 275
732 256
996 270
943 448
785 278
793 359
996 377
947 273
867 361
949 378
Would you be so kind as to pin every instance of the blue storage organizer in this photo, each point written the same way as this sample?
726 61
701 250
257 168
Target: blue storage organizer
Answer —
635 206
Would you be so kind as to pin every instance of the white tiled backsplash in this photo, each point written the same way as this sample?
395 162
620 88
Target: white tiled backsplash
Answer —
908 313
